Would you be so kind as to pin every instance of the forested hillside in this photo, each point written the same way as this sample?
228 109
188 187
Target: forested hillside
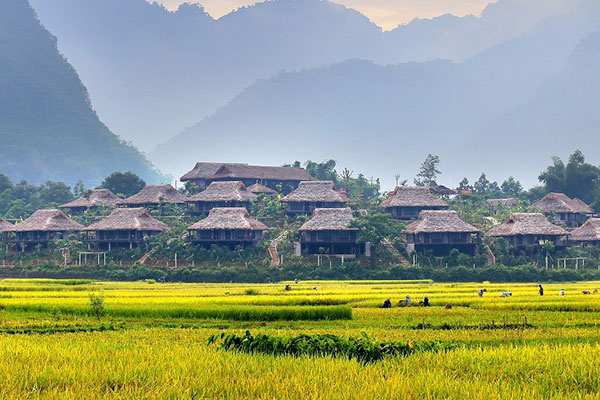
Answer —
48 128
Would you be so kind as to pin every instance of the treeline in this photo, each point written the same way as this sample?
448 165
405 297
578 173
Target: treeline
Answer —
19 200
251 274
576 178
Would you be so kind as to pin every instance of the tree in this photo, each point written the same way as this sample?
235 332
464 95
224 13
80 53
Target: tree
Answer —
5 183
429 171
575 179
346 176
123 183
79 189
191 188
324 171
97 305
54 193
374 228
482 185
464 185
512 187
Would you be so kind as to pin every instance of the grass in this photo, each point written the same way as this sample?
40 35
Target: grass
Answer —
152 342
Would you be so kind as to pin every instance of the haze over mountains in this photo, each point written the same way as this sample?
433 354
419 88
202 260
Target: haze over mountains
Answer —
151 73
332 85
48 129
471 113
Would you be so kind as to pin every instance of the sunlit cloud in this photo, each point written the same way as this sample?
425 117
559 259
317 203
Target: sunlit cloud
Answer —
386 13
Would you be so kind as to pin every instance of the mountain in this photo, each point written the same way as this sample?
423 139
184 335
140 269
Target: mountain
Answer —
48 128
151 73
562 115
386 119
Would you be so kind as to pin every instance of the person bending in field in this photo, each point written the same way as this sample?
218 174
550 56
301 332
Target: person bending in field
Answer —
506 294
426 302
387 303
562 292
407 301
480 293
541 290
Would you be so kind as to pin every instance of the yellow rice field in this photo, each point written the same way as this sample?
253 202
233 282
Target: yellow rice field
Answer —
152 341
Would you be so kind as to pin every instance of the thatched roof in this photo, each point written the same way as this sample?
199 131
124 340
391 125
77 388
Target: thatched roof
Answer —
590 231
128 219
244 171
228 218
4 225
96 198
495 204
411 196
257 188
155 194
223 191
312 191
330 219
442 190
440 221
47 221
526 224
203 170
561 203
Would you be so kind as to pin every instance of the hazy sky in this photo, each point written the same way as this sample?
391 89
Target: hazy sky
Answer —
386 13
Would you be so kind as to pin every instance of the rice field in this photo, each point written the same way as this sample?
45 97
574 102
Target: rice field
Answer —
151 340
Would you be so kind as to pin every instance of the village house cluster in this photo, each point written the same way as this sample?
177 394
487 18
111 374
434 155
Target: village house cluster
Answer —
227 190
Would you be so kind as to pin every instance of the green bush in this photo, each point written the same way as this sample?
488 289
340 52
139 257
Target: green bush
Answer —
362 349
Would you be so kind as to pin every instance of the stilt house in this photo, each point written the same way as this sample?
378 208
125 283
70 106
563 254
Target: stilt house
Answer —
259 189
41 228
529 230
440 232
154 196
496 205
4 226
202 172
311 195
124 227
407 202
229 227
329 232
587 235
97 198
567 211
284 179
220 195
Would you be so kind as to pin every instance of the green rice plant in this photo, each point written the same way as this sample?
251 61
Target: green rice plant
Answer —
362 349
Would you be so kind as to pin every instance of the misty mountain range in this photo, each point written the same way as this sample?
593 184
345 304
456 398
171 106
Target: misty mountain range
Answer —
151 73
48 128
299 79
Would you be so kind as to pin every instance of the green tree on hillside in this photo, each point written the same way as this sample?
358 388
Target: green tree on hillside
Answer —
575 179
124 183
374 228
429 171
324 171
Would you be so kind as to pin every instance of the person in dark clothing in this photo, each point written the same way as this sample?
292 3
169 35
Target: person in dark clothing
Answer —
387 303
426 302
541 290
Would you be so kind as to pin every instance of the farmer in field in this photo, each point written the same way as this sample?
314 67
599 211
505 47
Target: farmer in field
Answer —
506 294
541 290
407 301
426 302
562 292
387 303
480 293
